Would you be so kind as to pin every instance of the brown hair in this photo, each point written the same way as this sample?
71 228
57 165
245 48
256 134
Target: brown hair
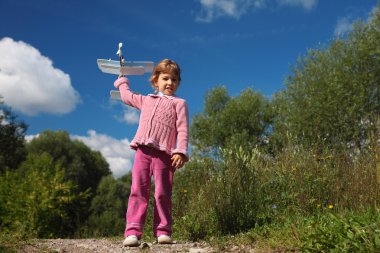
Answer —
165 66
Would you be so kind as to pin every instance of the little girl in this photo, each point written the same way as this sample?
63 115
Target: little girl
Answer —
161 144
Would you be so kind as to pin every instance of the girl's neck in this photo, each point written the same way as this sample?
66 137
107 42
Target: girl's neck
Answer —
162 94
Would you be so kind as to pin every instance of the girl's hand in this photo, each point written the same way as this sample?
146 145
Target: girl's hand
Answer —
178 160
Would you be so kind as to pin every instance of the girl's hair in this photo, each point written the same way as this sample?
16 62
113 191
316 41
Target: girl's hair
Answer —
165 66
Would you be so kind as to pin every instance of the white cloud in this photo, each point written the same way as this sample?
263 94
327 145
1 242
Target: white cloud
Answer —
131 116
3 121
344 25
30 83
306 4
117 152
30 137
213 9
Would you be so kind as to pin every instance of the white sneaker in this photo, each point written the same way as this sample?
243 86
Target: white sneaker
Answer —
131 241
164 239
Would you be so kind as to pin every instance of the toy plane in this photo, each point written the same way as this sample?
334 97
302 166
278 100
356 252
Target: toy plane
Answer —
121 67
131 68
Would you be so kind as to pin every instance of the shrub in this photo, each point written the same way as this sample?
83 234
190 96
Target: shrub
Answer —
36 200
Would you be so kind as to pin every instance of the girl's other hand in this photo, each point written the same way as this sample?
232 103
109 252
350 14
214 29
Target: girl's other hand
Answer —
178 160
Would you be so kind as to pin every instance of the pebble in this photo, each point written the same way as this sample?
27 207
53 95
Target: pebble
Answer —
235 248
197 250
144 245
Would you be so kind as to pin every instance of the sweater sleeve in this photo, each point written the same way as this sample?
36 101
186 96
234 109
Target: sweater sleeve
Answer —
182 125
127 96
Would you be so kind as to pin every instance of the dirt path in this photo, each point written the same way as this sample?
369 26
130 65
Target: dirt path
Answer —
111 246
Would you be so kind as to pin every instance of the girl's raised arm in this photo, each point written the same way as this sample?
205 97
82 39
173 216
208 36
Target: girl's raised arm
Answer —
127 96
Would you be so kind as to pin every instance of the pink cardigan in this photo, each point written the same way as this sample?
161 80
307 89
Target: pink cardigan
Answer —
164 120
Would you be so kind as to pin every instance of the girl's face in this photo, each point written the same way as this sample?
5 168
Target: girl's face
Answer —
167 84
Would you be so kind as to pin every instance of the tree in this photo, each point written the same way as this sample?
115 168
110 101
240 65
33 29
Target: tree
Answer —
333 96
12 142
108 207
227 121
82 166
36 199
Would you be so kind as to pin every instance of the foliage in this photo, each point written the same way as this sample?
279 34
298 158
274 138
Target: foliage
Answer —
12 143
228 121
9 244
348 233
248 189
333 97
222 197
304 180
327 231
36 199
193 215
81 165
108 207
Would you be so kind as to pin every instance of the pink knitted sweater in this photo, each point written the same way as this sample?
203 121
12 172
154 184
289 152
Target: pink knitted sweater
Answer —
164 120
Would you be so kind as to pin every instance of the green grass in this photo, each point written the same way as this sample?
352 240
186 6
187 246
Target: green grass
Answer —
326 232
10 243
287 203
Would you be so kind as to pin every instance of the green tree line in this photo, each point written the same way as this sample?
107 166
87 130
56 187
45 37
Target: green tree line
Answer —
53 186
311 148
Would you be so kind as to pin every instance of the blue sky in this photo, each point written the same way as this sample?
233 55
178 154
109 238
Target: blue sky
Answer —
48 52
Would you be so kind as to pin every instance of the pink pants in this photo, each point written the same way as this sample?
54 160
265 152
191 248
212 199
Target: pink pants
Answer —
148 162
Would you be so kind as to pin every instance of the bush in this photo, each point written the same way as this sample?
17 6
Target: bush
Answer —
193 215
217 197
245 189
36 201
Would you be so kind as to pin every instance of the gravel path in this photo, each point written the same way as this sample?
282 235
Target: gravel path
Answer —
110 246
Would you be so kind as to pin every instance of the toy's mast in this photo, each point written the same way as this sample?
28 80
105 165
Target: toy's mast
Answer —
120 54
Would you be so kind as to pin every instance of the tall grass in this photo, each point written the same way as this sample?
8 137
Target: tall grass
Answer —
246 189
